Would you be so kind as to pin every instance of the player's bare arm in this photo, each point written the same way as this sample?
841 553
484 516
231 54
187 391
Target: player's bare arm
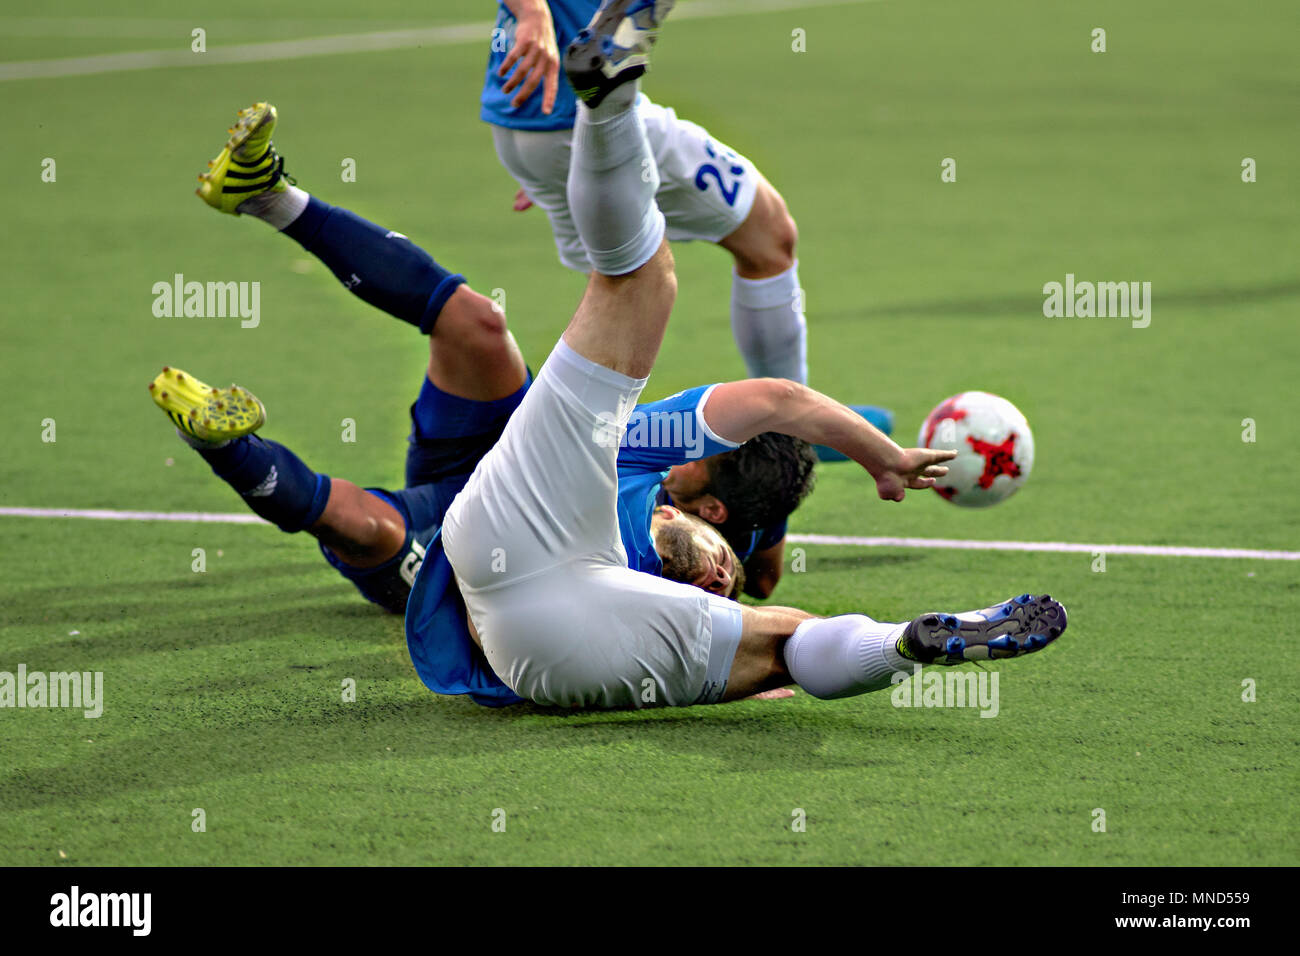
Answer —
738 411
763 571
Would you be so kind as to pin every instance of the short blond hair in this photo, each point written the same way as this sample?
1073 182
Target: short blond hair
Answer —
682 558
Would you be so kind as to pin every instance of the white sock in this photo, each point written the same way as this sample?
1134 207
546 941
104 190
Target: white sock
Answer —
844 656
768 325
612 183
276 209
616 101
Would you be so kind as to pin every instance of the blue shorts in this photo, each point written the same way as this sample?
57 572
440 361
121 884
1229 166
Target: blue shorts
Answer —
449 436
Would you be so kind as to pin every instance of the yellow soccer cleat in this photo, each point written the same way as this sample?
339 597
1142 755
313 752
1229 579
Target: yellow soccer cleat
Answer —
209 414
249 165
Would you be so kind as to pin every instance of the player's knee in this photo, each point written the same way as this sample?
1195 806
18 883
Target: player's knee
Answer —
766 243
662 267
780 237
667 273
474 320
785 235
487 318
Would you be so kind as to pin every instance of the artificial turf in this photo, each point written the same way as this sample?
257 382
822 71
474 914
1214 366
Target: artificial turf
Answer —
223 689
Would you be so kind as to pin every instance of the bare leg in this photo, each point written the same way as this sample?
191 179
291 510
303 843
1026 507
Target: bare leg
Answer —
471 352
361 529
764 244
759 664
621 320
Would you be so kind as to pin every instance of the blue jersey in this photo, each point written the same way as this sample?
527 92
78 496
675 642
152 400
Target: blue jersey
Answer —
659 435
569 16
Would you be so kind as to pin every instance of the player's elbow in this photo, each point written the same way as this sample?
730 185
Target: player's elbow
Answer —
781 394
772 405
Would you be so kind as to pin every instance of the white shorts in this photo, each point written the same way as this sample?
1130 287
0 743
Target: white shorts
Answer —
534 543
706 189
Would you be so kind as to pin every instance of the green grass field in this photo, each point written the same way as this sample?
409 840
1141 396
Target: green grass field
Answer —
222 688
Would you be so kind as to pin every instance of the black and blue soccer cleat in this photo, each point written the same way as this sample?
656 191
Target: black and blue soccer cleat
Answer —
614 48
1019 626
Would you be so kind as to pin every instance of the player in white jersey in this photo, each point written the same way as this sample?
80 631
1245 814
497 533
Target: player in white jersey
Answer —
533 538
707 190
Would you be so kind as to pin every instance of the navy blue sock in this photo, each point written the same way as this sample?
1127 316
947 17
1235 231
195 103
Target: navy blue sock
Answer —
272 480
381 267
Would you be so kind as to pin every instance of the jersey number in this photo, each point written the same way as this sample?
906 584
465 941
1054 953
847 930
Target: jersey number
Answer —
411 563
708 170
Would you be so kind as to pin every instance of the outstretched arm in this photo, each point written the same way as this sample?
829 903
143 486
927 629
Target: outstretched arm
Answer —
738 411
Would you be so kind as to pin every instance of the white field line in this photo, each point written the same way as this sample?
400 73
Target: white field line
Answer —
956 544
178 28
479 32
107 514
951 544
245 52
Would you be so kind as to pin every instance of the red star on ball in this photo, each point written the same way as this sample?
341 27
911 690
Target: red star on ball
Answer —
998 459
947 409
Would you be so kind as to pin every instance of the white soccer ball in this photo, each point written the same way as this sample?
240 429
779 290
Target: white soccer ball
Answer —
995 448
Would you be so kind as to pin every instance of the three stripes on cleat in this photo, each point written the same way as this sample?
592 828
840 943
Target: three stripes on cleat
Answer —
232 177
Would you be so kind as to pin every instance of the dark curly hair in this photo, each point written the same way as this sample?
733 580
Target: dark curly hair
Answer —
761 482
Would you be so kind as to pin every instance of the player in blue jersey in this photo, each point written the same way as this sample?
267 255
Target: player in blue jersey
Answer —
381 539
530 546
533 597
748 493
707 190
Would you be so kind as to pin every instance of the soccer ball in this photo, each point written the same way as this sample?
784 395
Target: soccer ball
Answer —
995 448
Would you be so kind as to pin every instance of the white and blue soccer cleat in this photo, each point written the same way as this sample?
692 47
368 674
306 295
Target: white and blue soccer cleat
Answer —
1019 626
614 48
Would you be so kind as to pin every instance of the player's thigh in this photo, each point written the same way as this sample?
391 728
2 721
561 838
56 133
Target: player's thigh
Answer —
706 189
539 163
547 491
592 634
450 434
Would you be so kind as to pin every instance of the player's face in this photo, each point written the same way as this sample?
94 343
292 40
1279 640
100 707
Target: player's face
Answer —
719 567
718 563
686 483
687 487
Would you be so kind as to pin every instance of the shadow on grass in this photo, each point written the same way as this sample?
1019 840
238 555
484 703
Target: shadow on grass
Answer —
746 737
147 623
